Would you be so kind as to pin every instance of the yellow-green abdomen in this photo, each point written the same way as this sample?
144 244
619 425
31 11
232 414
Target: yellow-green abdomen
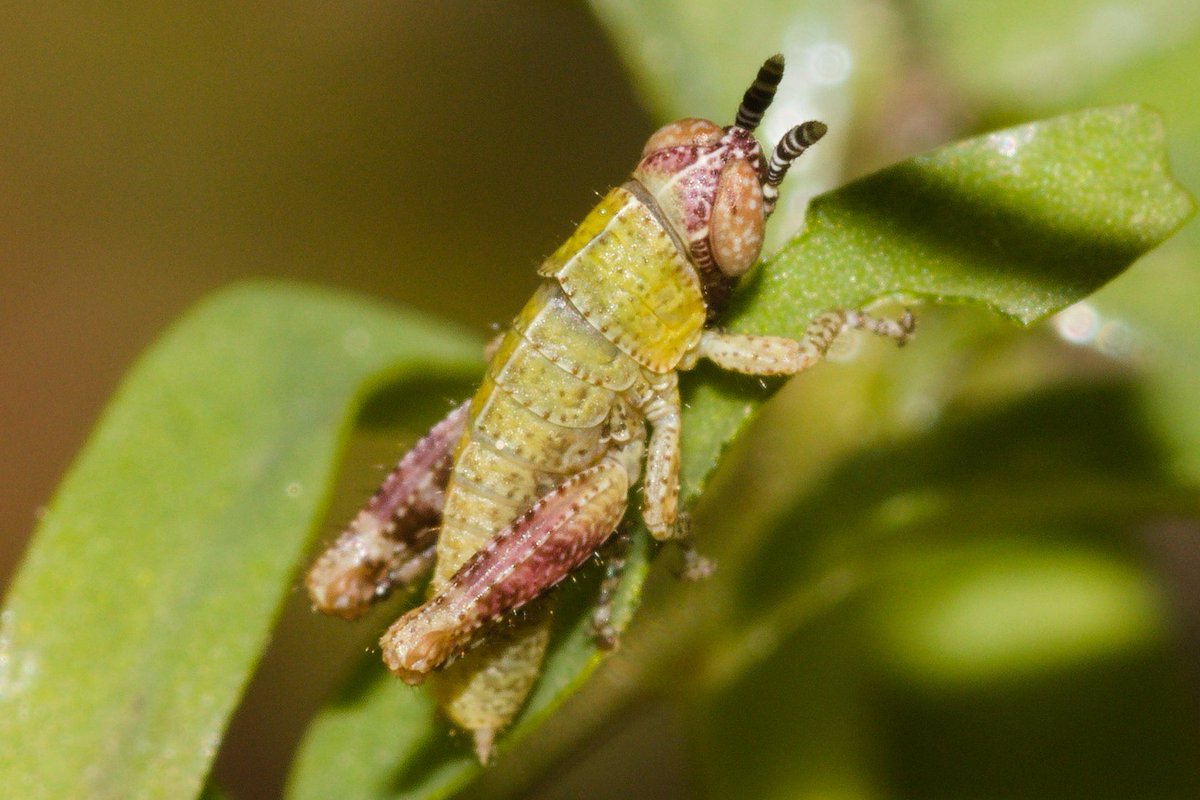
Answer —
621 301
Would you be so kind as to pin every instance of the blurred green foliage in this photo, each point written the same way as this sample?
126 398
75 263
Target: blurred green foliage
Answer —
958 570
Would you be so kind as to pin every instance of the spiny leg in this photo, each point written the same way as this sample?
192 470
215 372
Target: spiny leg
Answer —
534 553
558 533
777 355
390 542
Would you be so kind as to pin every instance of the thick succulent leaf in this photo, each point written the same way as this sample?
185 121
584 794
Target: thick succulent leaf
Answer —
149 591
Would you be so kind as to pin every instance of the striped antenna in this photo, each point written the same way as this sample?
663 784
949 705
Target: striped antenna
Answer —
790 147
760 94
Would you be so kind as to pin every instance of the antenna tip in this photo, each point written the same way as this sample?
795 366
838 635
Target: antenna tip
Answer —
812 131
760 94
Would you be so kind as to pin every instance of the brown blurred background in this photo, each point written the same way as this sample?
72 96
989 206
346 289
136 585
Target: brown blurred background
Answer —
151 153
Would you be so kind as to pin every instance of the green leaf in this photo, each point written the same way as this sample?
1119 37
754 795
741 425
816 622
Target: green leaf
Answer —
1154 308
1024 221
149 592
1029 53
988 553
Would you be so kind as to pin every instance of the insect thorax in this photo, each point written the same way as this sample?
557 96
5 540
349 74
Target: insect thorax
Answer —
627 277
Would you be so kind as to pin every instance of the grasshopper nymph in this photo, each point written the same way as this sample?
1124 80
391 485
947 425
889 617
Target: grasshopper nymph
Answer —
517 488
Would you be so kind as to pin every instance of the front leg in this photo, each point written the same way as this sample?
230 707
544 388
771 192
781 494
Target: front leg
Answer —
776 355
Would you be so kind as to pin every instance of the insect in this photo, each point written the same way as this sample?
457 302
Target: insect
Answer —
518 487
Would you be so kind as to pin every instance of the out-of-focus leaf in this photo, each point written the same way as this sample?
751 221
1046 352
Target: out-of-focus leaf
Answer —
368 740
1031 463
1024 221
149 591
991 551
1001 610
692 59
1153 312
1027 52
795 725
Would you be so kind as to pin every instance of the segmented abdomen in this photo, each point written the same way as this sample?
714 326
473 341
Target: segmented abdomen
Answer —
620 303
534 421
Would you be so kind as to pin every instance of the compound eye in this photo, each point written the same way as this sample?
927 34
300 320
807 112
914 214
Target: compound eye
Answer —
735 228
689 131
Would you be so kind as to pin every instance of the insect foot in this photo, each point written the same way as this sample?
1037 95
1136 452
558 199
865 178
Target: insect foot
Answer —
695 566
899 330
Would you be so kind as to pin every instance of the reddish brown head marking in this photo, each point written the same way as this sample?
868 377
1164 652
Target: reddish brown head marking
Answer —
714 186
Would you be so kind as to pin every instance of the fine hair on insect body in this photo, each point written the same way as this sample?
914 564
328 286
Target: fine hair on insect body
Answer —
519 486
